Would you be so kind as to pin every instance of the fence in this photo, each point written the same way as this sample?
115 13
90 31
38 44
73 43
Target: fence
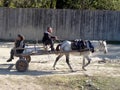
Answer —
67 24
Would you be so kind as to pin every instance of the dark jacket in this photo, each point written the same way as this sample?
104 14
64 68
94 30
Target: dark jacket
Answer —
47 37
19 44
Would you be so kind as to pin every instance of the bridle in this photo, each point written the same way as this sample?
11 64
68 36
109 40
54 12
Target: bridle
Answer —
102 46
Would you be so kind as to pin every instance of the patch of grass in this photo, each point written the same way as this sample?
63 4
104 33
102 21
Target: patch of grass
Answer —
78 82
62 82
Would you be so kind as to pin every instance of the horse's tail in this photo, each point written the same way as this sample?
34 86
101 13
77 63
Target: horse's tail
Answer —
58 47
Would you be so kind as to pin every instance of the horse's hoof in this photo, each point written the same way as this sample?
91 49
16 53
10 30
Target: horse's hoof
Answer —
72 71
102 61
54 68
84 69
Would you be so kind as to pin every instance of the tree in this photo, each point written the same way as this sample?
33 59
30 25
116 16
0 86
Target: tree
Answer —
60 4
89 4
68 4
63 4
6 3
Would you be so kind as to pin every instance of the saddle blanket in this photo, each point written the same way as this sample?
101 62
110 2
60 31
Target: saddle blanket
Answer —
82 45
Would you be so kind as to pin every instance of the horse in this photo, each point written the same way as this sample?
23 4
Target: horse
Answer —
65 46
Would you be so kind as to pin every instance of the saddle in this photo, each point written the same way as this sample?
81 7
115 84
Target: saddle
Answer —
82 45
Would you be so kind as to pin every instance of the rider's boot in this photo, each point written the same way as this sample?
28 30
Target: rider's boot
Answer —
10 59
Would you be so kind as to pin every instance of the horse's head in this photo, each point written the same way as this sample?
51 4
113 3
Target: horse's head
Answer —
103 46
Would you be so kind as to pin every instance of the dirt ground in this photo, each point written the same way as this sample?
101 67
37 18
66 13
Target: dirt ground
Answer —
41 66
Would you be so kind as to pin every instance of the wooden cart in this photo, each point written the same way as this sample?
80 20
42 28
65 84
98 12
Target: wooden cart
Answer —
22 63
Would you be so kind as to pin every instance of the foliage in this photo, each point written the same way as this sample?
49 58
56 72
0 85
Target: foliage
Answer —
71 4
78 82
89 4
106 4
63 4
29 3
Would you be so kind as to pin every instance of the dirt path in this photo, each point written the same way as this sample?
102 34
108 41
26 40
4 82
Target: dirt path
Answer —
42 66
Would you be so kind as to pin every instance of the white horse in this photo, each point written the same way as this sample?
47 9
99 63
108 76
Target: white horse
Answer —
66 46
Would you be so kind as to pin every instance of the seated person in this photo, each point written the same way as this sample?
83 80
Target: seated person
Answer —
48 38
19 44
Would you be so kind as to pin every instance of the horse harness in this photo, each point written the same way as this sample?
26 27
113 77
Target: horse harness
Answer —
82 45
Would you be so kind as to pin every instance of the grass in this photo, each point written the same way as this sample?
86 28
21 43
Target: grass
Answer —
78 82
67 82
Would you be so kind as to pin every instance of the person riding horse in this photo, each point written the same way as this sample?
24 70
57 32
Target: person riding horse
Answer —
19 44
48 38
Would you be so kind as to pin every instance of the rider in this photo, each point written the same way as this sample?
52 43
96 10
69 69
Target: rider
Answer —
19 44
48 38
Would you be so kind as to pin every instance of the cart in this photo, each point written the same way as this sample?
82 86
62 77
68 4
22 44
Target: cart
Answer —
22 63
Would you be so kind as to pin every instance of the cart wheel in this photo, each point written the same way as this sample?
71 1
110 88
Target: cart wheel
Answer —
21 65
28 58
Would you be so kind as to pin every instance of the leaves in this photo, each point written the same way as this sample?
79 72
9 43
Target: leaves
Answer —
63 4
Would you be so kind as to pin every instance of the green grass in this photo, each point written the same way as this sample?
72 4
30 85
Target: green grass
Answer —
78 82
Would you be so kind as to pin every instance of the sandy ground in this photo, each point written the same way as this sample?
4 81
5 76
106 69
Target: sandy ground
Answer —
42 66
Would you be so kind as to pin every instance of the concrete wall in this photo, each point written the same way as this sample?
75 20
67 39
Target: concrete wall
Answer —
67 24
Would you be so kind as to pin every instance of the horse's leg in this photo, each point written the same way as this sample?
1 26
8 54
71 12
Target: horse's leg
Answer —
84 65
89 60
67 61
57 60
